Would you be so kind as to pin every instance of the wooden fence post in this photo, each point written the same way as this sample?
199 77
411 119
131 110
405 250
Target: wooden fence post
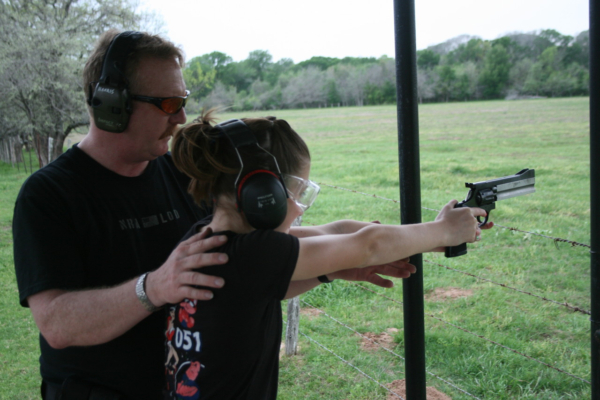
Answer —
291 331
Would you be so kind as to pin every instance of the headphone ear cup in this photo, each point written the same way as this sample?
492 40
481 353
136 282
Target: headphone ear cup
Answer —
263 199
110 100
111 108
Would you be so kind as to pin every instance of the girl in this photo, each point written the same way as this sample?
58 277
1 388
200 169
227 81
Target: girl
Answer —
256 173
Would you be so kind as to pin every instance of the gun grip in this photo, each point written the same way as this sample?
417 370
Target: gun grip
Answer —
455 251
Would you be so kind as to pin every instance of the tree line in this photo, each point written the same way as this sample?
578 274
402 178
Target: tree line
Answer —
44 45
544 63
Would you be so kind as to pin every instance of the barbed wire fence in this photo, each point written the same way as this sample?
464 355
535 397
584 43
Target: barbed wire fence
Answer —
391 392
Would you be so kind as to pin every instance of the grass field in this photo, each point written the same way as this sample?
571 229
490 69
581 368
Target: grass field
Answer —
356 148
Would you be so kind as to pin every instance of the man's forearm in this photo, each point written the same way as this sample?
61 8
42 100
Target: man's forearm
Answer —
87 317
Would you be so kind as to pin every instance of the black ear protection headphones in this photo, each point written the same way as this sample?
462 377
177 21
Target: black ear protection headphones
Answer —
260 193
109 99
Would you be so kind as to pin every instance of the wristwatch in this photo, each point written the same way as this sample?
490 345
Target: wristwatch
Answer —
324 279
140 291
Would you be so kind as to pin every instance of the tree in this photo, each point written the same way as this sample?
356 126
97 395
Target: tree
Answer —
446 82
198 79
240 75
466 87
275 70
581 77
307 88
322 63
474 50
43 47
451 44
262 96
220 97
259 60
427 59
214 61
381 82
351 84
518 76
358 61
555 38
496 69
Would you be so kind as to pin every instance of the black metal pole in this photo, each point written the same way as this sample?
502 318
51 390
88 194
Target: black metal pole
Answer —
595 193
410 192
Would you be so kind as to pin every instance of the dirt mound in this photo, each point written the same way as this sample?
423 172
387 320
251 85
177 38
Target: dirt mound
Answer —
384 339
441 294
399 387
310 313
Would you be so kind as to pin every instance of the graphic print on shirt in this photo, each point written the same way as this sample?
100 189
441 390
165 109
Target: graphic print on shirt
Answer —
149 221
182 348
186 310
170 333
187 388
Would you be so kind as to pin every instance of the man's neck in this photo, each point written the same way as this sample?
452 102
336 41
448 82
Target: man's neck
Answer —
109 156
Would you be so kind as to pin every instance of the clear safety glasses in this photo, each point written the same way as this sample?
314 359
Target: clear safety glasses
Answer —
302 191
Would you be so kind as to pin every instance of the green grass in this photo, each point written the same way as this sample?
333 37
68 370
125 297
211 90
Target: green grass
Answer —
356 148
19 351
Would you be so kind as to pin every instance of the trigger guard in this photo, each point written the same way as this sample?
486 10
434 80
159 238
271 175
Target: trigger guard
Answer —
481 224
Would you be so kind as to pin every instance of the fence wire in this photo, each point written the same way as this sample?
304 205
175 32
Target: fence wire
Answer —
555 239
481 337
387 349
348 363
565 304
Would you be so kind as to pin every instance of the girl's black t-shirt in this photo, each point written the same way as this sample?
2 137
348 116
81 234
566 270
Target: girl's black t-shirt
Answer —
228 347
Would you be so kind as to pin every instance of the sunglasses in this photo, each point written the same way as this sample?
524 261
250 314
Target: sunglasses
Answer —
170 105
302 191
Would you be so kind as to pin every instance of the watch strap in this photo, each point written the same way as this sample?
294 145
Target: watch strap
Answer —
324 279
140 291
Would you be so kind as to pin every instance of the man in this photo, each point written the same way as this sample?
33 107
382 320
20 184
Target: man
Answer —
90 224
94 231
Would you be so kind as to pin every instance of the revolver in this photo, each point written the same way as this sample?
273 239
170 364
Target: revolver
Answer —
485 195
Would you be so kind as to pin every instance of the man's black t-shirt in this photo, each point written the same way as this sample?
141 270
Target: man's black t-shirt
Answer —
78 225
228 348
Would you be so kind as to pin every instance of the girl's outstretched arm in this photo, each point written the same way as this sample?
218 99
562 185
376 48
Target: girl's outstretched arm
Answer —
383 244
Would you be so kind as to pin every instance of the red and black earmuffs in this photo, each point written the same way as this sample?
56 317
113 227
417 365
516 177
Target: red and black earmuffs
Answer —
260 194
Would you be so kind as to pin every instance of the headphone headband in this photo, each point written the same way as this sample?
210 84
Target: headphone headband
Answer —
237 132
113 73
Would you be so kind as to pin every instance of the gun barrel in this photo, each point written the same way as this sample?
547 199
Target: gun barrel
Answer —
520 191
518 185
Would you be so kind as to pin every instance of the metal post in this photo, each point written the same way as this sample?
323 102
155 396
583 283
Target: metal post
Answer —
293 317
595 193
410 192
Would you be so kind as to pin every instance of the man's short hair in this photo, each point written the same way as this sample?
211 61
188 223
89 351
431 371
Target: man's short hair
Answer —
148 46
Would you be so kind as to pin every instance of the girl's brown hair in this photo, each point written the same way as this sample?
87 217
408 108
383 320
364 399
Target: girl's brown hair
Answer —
208 157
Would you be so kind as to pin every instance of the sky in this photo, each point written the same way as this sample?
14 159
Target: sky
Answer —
340 28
